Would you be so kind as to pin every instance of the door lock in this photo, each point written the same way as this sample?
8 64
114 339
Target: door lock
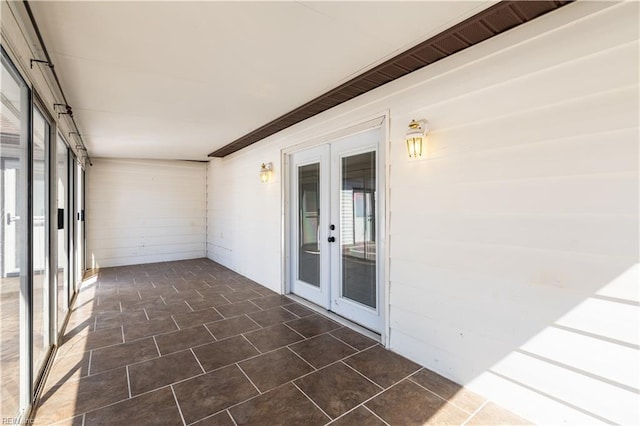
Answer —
332 239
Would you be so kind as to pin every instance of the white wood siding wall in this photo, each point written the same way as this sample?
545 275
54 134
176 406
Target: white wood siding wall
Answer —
514 241
144 211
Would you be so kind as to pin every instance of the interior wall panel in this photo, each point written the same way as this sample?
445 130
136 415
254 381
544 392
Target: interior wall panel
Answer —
514 240
145 211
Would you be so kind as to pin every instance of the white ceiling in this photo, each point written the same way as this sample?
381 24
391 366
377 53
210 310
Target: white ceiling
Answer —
177 80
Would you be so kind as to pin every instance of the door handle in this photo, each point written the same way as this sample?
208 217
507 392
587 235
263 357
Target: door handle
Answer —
10 219
332 239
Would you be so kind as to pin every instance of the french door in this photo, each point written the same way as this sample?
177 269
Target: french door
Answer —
334 226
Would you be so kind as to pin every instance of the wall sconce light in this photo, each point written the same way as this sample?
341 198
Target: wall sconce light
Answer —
416 137
265 172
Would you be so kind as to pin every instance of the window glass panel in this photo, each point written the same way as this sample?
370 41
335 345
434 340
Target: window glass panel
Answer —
358 228
309 220
13 157
40 301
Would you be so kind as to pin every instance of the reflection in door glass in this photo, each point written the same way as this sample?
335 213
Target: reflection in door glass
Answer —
358 228
13 119
40 301
308 222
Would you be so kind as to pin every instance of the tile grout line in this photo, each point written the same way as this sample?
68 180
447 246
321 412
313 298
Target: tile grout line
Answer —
145 313
175 398
475 412
128 380
299 334
255 304
219 313
90 362
307 362
446 400
222 295
255 347
253 321
312 401
248 378
192 310
371 411
285 308
375 395
232 419
342 361
198 361
215 339
356 349
157 348
175 322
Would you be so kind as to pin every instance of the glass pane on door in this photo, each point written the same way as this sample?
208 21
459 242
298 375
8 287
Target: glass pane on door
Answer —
308 224
13 157
40 301
358 228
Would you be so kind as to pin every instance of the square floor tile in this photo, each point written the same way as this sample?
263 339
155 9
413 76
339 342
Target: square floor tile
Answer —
274 368
183 339
192 319
322 350
273 337
224 352
272 316
282 406
159 372
382 366
337 388
313 325
207 394
154 408
231 327
451 391
120 355
408 404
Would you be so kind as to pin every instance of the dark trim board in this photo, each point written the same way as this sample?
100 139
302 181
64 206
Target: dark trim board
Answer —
496 19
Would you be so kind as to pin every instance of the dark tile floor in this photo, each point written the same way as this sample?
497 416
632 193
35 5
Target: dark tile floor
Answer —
192 342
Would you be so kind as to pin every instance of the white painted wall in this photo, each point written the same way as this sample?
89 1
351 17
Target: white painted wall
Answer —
514 241
145 211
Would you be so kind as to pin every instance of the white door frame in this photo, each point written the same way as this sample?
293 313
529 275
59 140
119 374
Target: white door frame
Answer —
380 120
